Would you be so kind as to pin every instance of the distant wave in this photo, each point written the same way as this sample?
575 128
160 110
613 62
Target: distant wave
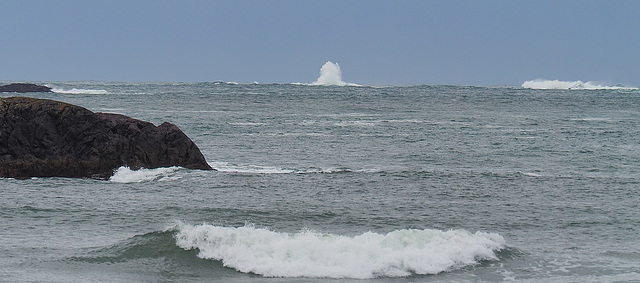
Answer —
79 91
126 175
331 75
316 84
226 167
311 254
232 168
227 83
556 84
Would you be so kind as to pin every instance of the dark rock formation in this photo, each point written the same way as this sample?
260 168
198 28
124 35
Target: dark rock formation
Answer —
22 88
46 138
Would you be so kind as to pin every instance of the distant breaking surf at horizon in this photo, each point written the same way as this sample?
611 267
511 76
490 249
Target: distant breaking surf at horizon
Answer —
557 84
331 74
315 183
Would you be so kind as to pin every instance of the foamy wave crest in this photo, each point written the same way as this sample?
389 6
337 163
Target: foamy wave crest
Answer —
126 175
556 84
249 169
79 91
226 167
310 254
225 83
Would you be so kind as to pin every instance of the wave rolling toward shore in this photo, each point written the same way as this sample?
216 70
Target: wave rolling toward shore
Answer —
311 254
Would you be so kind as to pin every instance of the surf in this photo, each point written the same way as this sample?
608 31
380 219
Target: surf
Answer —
311 254
571 85
125 174
79 91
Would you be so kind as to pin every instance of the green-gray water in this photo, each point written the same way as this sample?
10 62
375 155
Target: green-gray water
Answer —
326 183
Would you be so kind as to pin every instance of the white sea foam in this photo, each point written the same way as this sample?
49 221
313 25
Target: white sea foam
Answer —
79 91
529 174
255 124
126 175
225 83
226 167
556 84
319 255
330 74
250 169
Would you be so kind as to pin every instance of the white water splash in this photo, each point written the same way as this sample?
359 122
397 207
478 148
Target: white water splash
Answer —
126 175
399 253
556 84
79 91
330 74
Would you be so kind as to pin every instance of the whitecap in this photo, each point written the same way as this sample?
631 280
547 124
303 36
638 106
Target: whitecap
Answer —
226 167
248 124
578 85
79 91
311 254
124 174
529 174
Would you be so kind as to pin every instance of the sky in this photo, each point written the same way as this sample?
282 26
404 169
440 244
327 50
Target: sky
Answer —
399 42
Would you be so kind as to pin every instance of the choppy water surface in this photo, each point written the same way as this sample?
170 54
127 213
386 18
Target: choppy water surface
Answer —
315 183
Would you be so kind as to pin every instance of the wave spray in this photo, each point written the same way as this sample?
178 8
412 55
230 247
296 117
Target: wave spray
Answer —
580 85
330 74
399 253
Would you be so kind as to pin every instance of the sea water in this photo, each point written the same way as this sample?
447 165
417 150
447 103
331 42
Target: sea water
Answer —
320 183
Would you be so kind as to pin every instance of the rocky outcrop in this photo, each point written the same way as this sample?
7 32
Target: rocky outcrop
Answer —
46 138
23 88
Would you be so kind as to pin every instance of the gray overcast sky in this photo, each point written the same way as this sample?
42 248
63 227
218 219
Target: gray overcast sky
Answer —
375 42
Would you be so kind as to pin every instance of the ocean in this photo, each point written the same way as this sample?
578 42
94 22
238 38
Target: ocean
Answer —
315 183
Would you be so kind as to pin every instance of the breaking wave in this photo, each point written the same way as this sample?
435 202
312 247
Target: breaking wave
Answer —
79 91
124 174
225 83
580 85
226 167
331 75
320 255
